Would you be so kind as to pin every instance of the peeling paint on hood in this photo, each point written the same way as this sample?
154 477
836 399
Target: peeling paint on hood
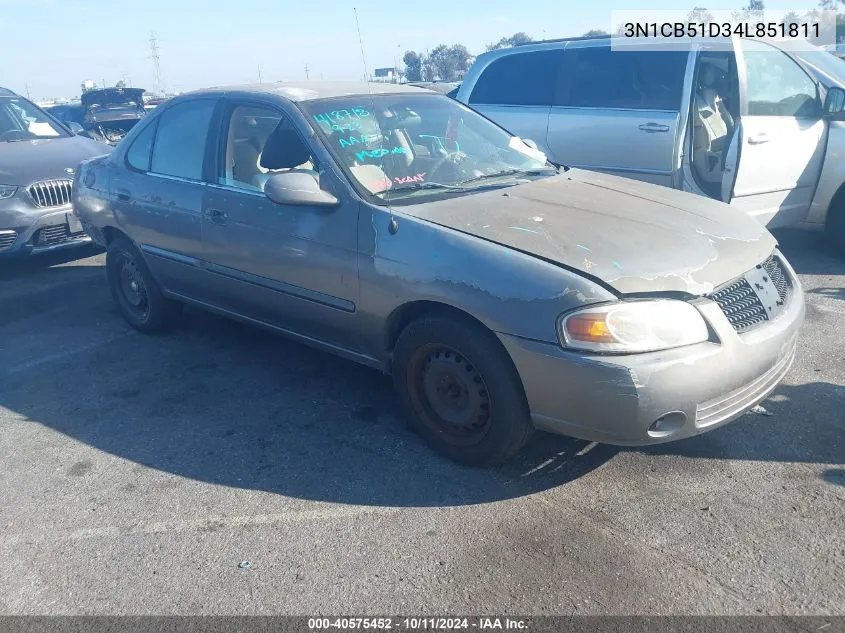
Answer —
632 235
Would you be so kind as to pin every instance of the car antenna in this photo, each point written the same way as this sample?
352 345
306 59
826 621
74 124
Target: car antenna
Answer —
361 43
393 225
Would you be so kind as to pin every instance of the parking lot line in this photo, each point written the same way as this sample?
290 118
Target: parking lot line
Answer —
323 513
51 358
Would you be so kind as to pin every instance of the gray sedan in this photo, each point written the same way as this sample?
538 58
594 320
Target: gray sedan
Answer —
401 229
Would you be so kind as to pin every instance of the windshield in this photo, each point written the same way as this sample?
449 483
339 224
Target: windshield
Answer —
829 68
22 121
399 148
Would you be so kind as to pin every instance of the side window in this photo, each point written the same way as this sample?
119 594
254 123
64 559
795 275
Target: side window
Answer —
179 147
777 86
519 79
259 142
139 153
644 80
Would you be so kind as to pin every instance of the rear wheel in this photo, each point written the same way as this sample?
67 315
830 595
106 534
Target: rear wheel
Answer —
461 390
136 293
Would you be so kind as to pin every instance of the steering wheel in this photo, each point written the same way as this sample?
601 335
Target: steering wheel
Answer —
14 135
452 159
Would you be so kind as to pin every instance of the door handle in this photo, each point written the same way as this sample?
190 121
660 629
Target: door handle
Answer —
758 139
651 128
123 196
217 216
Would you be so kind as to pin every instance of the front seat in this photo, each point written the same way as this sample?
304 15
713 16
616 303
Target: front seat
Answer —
713 127
284 151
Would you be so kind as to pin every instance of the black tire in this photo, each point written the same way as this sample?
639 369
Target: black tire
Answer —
835 226
460 390
136 293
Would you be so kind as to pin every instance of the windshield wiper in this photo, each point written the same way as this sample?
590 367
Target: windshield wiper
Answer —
507 172
417 186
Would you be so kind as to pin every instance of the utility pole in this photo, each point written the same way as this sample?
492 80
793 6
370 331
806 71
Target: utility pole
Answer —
28 96
156 61
306 72
259 73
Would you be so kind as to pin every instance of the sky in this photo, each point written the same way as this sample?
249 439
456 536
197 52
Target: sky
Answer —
48 47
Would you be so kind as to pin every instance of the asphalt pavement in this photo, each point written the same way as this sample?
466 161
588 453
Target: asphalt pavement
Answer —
220 469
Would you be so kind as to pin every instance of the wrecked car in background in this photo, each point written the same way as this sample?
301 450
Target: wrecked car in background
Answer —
109 113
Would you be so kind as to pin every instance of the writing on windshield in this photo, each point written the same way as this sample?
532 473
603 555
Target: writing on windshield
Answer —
415 144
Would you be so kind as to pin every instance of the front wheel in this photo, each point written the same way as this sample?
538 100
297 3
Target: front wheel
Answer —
136 293
461 390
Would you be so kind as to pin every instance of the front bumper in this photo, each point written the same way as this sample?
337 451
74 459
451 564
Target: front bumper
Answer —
690 390
45 231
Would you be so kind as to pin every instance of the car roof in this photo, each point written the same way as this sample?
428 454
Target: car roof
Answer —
311 90
5 92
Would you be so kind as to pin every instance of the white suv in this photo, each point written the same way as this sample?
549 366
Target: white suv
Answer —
758 126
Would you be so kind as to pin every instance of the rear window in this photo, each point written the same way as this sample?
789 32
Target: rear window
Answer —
519 79
646 80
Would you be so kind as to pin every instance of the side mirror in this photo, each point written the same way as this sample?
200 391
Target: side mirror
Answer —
834 102
298 188
75 127
530 143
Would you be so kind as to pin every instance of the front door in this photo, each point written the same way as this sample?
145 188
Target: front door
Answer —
294 267
774 161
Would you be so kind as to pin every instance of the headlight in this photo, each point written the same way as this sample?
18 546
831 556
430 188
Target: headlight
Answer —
7 191
633 326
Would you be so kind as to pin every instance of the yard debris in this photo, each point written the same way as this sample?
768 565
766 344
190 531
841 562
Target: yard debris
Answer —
759 409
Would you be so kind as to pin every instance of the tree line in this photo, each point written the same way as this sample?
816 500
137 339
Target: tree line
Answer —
450 63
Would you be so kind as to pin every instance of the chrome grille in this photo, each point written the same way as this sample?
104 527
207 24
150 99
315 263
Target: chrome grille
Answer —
741 305
51 193
776 273
7 238
55 234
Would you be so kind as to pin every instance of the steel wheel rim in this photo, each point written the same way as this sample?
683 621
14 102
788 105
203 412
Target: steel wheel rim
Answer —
452 393
133 288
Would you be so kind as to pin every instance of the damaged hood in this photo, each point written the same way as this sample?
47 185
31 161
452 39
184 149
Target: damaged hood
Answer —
634 236
114 104
113 96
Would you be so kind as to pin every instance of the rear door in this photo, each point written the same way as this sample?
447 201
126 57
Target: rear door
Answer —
516 91
618 111
157 193
776 158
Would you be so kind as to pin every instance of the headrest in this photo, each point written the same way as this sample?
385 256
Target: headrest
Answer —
284 149
708 75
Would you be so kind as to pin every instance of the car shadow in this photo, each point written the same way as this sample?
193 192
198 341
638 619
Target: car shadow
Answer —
231 405
809 253
835 476
798 423
32 265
